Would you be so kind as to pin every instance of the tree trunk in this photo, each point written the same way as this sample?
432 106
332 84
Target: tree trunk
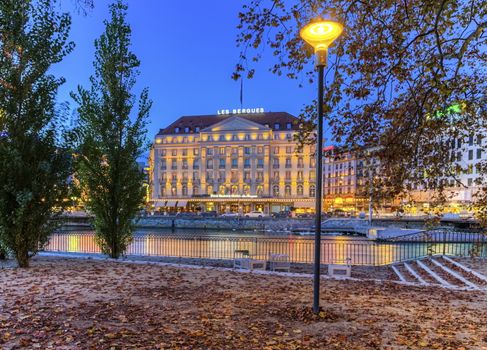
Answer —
22 256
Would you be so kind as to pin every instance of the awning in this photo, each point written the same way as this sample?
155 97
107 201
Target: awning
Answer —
182 204
304 204
159 204
171 204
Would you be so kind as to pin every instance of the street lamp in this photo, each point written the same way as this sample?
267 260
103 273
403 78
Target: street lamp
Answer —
320 34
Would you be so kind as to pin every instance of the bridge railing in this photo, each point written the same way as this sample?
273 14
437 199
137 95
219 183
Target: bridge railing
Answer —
299 249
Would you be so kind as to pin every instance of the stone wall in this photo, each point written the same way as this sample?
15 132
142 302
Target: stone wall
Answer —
262 224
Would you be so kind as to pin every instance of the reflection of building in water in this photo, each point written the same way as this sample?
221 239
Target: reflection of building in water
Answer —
232 163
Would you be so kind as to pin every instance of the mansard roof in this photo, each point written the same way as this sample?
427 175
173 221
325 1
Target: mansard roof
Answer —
269 119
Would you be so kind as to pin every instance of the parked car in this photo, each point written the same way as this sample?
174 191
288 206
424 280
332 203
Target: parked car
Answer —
282 214
255 214
209 214
229 215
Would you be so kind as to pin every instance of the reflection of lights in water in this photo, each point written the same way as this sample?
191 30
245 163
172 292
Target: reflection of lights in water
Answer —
300 250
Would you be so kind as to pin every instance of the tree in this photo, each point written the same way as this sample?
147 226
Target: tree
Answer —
407 76
34 162
110 142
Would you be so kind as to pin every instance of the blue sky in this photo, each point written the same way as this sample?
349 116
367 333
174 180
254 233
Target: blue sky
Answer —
187 51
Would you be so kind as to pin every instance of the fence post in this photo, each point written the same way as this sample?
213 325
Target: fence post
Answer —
444 242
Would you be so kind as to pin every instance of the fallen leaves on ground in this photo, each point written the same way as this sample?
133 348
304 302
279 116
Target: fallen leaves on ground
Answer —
74 304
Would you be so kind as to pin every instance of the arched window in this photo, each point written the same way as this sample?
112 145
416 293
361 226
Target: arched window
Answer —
275 191
287 191
246 190
234 190
209 190
312 191
222 189
260 190
299 190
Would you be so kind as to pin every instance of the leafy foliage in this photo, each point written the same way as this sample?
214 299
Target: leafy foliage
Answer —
34 163
109 142
408 76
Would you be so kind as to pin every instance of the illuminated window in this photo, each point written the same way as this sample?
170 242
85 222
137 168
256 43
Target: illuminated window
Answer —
312 191
287 190
260 190
209 190
275 191
299 190
173 191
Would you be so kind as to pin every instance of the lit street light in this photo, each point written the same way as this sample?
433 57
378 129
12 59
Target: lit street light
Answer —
320 34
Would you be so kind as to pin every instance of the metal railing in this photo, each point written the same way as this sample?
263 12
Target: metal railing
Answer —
299 249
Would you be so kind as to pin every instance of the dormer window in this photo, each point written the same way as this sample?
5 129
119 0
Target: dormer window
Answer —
197 129
289 126
186 129
266 125
277 126
176 130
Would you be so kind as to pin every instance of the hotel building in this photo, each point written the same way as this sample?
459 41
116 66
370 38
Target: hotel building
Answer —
234 161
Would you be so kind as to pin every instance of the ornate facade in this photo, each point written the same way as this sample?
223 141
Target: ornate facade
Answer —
232 163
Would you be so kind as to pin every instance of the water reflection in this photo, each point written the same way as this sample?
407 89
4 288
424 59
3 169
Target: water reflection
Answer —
218 245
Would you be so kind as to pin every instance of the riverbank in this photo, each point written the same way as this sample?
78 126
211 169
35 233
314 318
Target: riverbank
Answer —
73 304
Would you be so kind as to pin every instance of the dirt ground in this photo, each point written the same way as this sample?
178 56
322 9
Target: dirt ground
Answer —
85 304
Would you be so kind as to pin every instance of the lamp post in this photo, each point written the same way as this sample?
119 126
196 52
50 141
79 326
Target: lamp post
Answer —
320 34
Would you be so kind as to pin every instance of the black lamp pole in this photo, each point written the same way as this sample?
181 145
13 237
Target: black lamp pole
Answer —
319 193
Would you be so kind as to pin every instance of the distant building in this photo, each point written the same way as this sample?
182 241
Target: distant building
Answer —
235 161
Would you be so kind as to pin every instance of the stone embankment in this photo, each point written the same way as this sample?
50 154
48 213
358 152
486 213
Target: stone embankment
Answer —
262 224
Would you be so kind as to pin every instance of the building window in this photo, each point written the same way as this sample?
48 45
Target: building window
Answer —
185 152
197 129
276 150
289 126
470 182
196 176
260 190
163 192
222 151
260 176
260 150
312 191
288 163
247 137
299 190
260 137
289 149
275 191
300 162
196 190
174 177
470 140
174 152
247 176
196 164
209 190
176 130
209 164
184 190
209 152
185 164
234 189
234 138
276 176
234 163
275 163
210 138
312 175
246 190
247 150
163 164
277 126
163 152
221 176
174 191
174 164
287 190
289 136
196 151
479 153
235 150
260 163
470 154
222 164
300 176
234 176
288 176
